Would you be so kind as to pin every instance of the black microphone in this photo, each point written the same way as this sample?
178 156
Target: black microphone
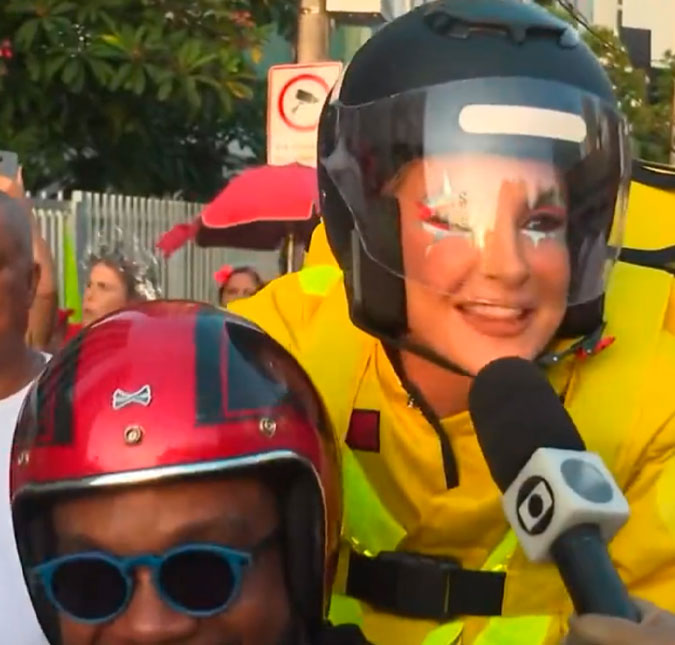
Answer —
561 501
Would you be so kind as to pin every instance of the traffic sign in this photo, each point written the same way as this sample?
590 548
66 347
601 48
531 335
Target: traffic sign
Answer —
296 94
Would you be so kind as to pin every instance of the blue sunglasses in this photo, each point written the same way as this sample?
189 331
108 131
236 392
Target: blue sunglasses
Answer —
199 579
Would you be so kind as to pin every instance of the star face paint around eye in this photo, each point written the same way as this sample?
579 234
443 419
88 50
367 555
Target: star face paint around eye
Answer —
445 214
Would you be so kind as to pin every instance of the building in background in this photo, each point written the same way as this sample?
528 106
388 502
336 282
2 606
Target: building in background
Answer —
647 27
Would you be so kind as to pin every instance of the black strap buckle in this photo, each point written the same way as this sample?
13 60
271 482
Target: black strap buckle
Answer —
419 586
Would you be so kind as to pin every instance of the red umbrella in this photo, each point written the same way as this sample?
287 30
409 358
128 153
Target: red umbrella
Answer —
261 207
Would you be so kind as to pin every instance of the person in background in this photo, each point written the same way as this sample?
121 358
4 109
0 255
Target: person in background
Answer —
116 277
151 507
115 280
236 282
42 313
657 628
20 364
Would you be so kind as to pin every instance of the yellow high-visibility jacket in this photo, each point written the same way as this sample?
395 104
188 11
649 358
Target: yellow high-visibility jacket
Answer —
396 497
650 223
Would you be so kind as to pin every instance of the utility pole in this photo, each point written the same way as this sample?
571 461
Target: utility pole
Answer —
313 32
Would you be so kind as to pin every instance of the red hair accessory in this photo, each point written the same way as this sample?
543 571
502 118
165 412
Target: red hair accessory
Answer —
223 274
62 315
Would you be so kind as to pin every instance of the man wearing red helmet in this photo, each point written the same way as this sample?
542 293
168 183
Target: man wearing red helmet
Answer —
194 501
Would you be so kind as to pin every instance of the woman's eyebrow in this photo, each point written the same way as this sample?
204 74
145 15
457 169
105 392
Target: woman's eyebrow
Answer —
547 196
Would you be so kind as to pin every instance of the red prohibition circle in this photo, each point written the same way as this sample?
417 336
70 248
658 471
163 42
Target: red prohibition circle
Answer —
282 95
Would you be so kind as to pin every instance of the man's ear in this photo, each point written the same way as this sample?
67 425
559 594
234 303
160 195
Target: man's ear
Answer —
33 280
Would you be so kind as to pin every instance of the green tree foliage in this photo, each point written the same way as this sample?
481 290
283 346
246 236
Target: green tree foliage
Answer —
647 108
649 120
137 96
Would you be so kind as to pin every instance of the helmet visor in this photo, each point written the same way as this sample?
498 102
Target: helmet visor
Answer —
513 173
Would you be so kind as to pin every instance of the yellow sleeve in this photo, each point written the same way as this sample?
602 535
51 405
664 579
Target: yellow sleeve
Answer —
270 309
644 550
286 305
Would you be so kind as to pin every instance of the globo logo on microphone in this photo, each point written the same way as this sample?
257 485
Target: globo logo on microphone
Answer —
536 505
536 501
558 489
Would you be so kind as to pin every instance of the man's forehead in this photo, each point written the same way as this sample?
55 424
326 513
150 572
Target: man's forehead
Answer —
229 506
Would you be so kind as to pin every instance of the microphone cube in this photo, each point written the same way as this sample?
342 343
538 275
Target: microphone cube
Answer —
558 489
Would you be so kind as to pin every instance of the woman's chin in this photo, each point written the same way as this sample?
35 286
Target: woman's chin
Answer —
479 359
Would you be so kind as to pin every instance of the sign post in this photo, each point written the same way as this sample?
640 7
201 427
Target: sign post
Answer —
296 94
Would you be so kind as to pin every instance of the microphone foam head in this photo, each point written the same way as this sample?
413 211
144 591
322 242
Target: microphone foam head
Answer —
515 411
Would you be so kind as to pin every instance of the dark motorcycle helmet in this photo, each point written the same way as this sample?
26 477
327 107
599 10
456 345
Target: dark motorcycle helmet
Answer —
440 80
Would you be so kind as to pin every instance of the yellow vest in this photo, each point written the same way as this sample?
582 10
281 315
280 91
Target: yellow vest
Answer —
621 400
650 221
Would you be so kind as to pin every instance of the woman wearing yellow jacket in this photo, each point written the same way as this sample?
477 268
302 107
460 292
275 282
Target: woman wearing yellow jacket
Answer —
473 169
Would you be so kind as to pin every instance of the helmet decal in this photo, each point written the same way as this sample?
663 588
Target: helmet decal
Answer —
142 396
242 396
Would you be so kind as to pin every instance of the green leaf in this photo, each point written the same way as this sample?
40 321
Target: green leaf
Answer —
77 84
158 74
54 64
188 52
164 90
70 71
101 71
192 94
34 68
21 7
239 90
113 41
63 7
57 27
25 35
120 77
226 101
139 34
137 81
203 60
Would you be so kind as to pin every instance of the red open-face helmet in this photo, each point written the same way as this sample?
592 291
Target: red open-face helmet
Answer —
172 390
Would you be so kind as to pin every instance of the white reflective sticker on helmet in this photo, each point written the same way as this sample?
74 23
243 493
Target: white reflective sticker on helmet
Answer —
521 120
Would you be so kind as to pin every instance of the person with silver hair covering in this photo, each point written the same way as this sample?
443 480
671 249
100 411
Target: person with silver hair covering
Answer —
117 277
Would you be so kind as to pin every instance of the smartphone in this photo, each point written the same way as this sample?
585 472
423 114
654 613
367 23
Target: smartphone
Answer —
9 164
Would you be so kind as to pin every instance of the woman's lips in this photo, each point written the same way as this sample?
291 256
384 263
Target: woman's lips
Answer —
496 319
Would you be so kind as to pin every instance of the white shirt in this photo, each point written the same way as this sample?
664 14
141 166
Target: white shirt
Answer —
19 625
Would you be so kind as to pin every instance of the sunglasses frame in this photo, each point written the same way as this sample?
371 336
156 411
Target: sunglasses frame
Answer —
237 559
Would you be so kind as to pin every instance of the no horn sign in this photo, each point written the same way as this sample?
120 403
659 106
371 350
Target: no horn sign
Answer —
296 94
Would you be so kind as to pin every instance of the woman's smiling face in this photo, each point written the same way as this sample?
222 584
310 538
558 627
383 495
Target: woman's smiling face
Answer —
484 255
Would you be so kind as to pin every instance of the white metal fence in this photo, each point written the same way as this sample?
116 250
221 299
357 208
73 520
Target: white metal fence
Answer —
88 218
